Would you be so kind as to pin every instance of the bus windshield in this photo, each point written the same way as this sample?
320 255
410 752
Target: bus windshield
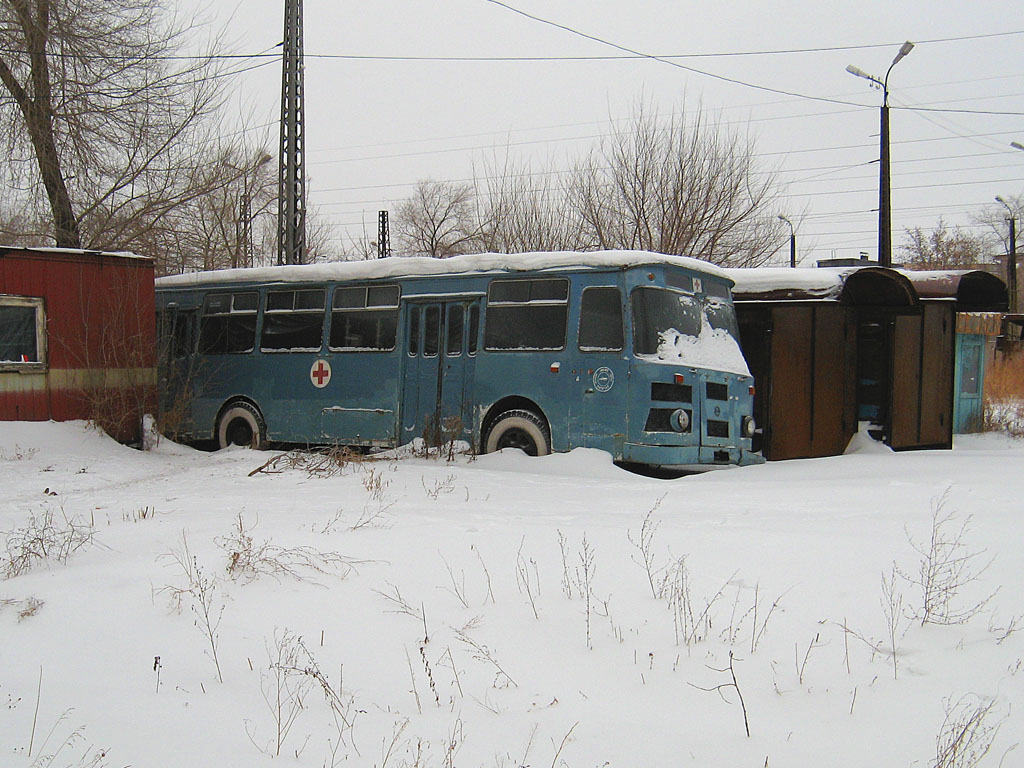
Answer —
657 311
676 327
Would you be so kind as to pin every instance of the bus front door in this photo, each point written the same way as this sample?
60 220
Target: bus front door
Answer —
440 351
600 373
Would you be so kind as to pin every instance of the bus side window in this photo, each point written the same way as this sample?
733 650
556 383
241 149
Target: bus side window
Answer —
228 324
413 345
431 330
601 320
474 327
365 318
453 338
293 321
526 314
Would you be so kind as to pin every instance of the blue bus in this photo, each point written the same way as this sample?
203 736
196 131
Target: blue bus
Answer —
633 353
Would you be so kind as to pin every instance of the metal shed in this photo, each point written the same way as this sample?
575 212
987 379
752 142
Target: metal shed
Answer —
832 347
77 337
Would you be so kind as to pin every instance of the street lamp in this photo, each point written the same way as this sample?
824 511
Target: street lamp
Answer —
884 216
792 241
1011 256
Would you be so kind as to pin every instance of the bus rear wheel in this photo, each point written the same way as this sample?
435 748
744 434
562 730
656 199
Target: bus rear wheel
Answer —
520 429
241 424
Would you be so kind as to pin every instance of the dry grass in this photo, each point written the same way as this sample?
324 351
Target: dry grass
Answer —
1004 395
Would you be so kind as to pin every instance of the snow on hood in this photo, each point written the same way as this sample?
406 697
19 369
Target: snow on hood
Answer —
715 348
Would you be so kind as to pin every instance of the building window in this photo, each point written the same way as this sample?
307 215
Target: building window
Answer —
22 333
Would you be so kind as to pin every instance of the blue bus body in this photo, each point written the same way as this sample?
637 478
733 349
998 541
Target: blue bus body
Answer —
632 353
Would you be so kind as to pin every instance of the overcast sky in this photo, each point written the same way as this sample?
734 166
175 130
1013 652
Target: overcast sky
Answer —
381 120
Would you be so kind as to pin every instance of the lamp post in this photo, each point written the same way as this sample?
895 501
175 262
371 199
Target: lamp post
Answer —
1011 256
792 241
884 216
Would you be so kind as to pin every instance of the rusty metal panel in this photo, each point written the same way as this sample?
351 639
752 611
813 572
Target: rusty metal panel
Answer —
937 365
789 408
100 338
830 431
905 405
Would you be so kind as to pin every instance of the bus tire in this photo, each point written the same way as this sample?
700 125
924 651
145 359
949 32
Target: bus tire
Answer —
519 429
241 423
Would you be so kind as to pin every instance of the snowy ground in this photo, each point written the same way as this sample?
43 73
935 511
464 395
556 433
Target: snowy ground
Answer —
443 613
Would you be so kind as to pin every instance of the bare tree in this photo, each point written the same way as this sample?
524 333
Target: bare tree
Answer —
682 186
438 220
105 101
944 248
524 210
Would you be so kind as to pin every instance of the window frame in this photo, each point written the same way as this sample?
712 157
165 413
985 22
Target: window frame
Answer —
506 303
622 323
38 304
205 313
293 310
369 308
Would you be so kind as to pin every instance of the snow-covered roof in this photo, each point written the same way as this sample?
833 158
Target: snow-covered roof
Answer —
73 252
407 267
781 283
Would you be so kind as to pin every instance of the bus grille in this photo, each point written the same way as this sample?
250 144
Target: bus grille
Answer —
718 428
717 391
672 393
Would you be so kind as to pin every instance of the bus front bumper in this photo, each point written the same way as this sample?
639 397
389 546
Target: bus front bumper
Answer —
678 456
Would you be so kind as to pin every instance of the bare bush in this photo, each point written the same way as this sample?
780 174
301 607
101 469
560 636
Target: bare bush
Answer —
284 687
319 463
200 591
892 609
968 730
734 684
45 538
249 559
644 544
947 568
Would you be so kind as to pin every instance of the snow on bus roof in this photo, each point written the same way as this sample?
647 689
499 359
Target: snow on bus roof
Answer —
823 282
398 266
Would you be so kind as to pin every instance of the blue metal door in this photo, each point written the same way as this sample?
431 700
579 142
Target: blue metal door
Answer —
968 412
600 373
441 346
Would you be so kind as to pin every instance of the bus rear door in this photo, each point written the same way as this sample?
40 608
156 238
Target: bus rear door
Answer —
440 348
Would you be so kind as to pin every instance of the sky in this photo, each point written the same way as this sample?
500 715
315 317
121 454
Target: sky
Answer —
397 92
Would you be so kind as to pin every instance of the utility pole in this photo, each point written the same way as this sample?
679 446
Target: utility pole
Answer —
1011 255
884 215
291 201
792 242
383 236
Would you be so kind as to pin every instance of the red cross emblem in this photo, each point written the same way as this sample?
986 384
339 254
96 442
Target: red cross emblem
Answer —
320 373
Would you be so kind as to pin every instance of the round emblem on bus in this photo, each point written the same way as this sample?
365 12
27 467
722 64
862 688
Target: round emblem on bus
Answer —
320 374
604 379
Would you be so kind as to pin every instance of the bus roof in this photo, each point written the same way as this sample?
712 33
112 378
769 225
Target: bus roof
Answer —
421 266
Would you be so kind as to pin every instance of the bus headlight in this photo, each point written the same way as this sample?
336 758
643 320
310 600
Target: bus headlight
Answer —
749 426
680 420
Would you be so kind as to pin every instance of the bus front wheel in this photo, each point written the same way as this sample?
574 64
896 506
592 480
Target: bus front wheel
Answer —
519 429
241 424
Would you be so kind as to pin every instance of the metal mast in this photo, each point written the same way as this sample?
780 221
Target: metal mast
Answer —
291 200
383 236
